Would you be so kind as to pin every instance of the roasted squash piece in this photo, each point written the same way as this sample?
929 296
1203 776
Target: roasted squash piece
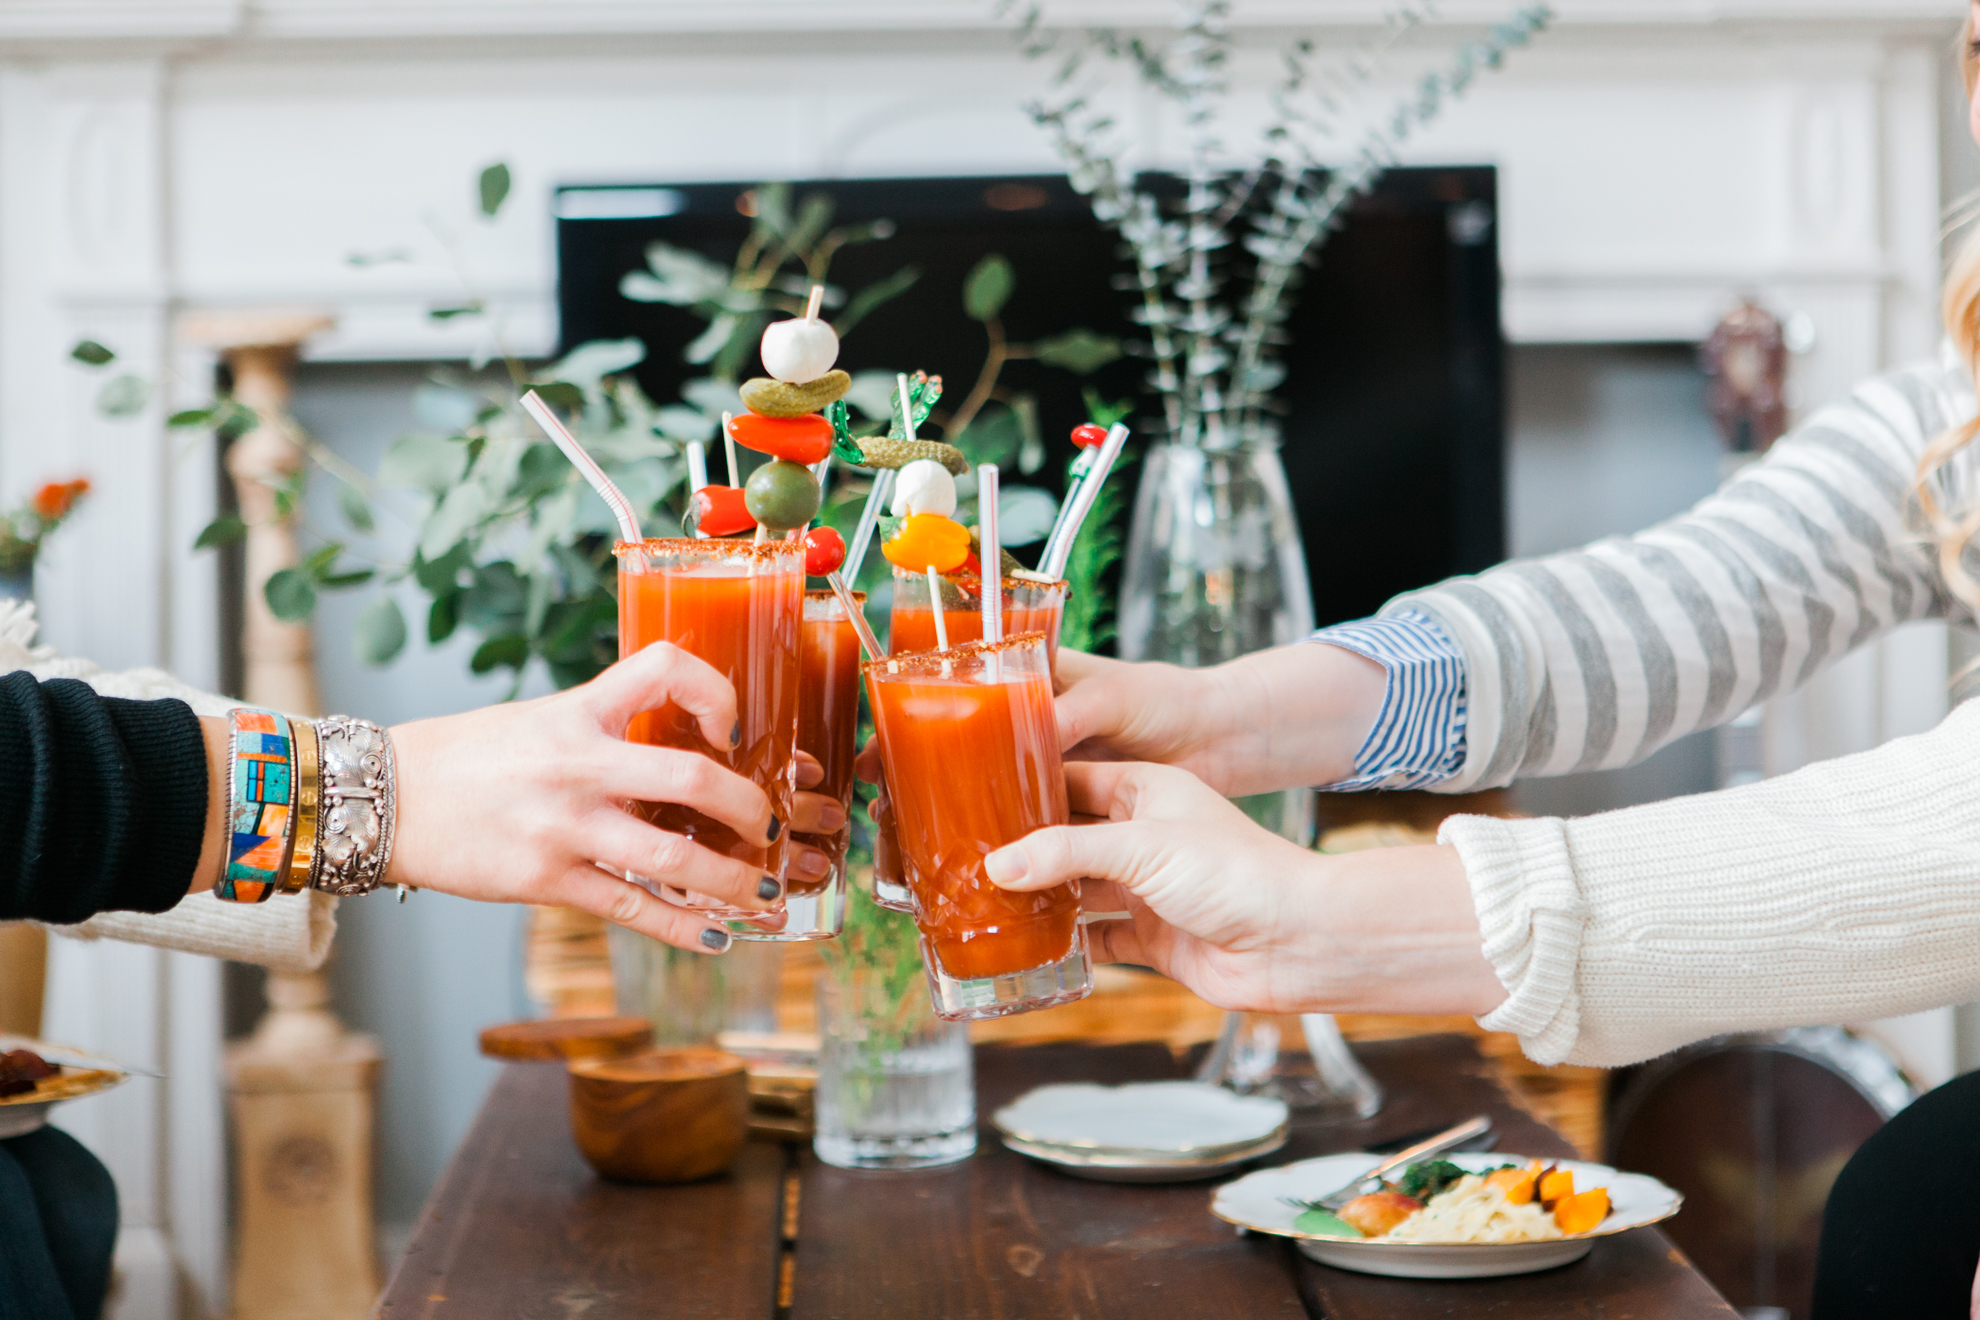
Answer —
1582 1211
1518 1184
1378 1212
1555 1185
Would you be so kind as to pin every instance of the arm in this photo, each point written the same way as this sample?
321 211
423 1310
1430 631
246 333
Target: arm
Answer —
1598 657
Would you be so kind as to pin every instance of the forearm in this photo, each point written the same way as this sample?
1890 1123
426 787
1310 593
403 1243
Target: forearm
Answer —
213 843
1289 717
1845 891
1395 930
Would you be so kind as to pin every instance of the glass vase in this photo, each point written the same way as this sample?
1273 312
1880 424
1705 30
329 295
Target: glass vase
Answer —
691 997
1215 570
896 1084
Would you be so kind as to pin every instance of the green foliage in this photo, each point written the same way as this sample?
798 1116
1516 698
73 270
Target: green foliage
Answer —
123 396
1081 352
290 594
493 188
988 287
224 530
381 632
91 353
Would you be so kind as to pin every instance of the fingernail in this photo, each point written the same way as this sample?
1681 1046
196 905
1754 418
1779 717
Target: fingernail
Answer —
831 818
776 828
768 888
735 735
1007 865
717 940
812 862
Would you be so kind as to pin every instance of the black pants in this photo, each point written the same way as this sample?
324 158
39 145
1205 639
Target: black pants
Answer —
1901 1234
58 1227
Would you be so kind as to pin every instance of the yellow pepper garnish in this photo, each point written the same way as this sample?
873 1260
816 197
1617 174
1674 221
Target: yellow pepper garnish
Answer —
927 540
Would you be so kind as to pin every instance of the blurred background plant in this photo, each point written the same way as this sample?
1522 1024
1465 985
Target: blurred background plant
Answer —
23 531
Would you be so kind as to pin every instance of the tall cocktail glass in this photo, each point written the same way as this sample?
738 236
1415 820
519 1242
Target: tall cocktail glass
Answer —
1029 606
828 729
739 607
971 754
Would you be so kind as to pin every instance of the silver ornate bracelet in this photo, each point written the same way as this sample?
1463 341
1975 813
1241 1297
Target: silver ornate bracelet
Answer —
359 806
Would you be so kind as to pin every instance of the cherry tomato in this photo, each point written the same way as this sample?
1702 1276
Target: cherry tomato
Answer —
927 540
720 511
1086 436
796 439
824 551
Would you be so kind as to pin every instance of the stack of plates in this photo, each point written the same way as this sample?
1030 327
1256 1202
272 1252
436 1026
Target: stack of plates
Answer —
1144 1131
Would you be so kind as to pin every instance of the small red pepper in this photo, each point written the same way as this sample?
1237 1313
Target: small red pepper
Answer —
1088 435
824 551
720 511
804 439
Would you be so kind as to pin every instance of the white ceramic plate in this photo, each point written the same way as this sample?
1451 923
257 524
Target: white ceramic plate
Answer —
22 1114
1258 1202
1148 1122
1110 1167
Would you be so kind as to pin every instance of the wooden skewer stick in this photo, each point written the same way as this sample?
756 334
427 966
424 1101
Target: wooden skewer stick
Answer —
817 301
729 443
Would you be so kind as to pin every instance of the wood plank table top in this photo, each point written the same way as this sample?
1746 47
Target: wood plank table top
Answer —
520 1227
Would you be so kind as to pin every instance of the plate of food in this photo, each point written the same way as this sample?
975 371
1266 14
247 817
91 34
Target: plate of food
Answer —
1458 1216
35 1077
1142 1131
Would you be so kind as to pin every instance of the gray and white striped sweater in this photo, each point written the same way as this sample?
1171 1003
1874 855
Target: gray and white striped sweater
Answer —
1597 657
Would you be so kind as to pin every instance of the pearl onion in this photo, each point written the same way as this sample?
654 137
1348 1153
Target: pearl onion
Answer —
797 352
924 486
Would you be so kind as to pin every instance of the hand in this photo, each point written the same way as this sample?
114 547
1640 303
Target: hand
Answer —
812 813
1246 919
525 802
1289 717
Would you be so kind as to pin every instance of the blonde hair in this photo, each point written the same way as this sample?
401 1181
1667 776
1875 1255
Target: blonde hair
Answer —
1952 532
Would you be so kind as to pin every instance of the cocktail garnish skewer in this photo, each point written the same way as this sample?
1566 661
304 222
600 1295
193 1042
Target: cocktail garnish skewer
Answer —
1058 546
850 604
615 499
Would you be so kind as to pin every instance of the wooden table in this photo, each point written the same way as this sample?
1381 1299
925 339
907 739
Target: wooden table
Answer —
520 1228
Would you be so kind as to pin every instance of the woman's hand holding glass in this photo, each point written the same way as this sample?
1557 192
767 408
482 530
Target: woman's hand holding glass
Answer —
525 802
1248 920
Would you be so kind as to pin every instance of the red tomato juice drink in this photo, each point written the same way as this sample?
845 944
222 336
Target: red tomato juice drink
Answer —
1029 606
828 729
971 752
739 607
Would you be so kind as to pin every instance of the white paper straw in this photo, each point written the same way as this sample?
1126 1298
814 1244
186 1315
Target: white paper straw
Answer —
614 498
697 459
935 603
907 406
869 522
729 443
1059 546
850 604
990 587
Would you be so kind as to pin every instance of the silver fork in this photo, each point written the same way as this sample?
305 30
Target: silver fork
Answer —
1448 1139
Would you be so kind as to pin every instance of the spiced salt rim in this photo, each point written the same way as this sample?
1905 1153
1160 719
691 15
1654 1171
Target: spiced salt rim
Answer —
826 593
972 583
918 662
713 547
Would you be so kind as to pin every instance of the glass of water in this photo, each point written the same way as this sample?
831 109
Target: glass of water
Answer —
896 1086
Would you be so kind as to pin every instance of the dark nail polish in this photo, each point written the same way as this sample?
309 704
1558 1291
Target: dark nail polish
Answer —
767 888
717 940
735 735
776 828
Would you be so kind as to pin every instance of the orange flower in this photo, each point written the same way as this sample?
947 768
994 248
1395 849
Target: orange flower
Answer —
53 501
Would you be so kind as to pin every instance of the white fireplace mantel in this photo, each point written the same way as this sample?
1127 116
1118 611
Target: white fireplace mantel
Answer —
1656 159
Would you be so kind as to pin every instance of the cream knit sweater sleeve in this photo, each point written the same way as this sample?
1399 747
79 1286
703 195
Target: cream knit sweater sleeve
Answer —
1847 890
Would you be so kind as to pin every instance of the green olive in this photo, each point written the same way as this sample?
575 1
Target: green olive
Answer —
781 495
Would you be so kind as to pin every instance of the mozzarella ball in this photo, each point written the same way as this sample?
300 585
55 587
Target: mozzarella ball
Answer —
798 352
924 486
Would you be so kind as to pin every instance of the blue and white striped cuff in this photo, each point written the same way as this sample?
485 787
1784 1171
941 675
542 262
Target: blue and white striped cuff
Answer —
1418 738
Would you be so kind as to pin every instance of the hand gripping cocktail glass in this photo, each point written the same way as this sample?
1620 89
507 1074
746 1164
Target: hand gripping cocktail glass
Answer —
828 729
971 753
1029 606
740 607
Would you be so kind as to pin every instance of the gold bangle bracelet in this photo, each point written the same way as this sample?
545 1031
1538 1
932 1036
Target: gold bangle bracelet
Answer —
309 796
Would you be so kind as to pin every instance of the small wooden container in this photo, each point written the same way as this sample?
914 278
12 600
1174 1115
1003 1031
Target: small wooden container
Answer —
666 1116
556 1039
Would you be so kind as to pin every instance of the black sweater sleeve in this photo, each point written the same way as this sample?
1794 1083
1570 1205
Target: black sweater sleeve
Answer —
102 801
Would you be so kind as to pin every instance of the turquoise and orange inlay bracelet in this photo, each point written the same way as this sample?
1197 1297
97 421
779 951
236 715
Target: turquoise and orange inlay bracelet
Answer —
261 770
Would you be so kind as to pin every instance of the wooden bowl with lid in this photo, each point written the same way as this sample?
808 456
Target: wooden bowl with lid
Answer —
664 1116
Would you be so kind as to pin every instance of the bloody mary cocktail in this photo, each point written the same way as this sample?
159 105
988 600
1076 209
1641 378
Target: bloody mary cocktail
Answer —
828 730
1028 607
740 608
971 752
